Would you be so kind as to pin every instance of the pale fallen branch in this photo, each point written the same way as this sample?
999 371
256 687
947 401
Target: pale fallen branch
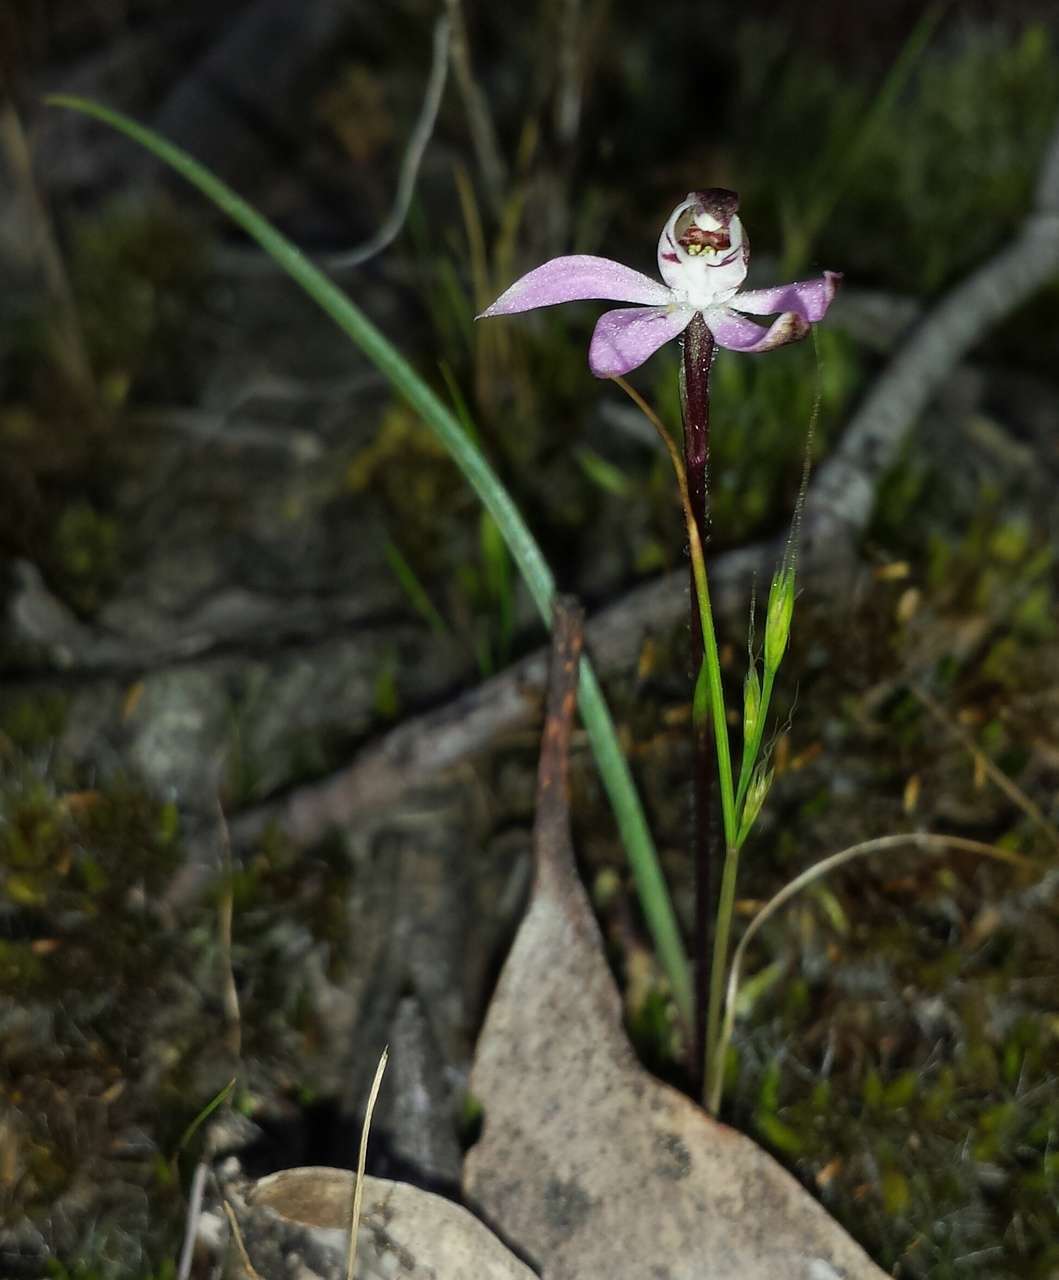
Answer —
842 497
425 745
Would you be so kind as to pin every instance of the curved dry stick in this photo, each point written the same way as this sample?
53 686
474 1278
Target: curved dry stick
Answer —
843 495
247 261
413 158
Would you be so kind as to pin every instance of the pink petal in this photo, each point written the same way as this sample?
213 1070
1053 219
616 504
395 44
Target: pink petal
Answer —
574 278
737 333
809 299
624 339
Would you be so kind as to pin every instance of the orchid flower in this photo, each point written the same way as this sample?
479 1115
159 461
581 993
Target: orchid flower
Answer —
703 253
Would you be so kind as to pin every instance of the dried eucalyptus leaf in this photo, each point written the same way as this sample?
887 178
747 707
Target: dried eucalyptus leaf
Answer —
587 1165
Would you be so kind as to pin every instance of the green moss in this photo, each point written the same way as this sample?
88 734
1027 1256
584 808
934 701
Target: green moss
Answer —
929 1148
931 1140
21 969
469 1120
905 1065
385 694
777 1134
652 1028
31 721
86 547
306 889
87 966
983 556
407 472
96 1270
139 277
78 853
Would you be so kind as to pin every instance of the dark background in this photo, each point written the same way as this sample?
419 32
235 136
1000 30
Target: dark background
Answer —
233 562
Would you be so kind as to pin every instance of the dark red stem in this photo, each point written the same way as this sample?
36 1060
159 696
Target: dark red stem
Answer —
695 397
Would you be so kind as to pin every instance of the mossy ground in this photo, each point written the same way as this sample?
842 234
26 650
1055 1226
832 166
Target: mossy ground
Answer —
94 1072
114 1036
900 1051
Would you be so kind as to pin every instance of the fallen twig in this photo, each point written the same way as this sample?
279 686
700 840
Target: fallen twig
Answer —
425 745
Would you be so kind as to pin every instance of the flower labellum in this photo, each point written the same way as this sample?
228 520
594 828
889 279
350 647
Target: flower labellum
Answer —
703 253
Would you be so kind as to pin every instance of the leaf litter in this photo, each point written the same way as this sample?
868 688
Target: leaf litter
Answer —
588 1166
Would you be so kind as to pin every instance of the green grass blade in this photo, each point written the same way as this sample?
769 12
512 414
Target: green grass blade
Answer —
612 765
217 1100
841 169
414 589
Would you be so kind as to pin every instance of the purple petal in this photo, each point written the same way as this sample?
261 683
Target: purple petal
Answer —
624 339
577 277
737 333
809 299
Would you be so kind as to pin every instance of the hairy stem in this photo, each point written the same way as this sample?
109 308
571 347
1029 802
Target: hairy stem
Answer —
695 397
